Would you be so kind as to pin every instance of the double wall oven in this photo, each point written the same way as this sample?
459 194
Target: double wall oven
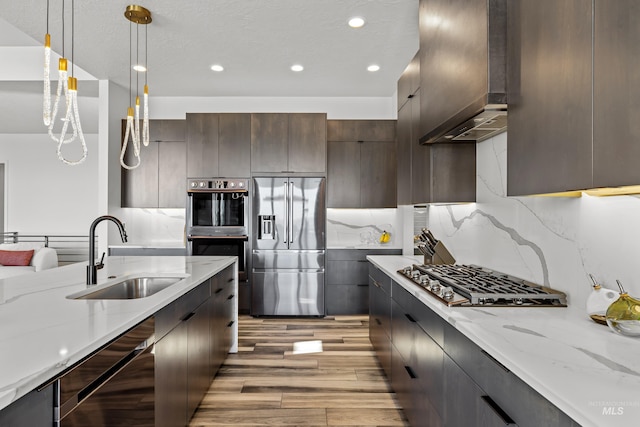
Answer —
217 221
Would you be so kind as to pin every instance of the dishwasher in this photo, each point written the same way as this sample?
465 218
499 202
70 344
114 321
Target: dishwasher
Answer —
113 386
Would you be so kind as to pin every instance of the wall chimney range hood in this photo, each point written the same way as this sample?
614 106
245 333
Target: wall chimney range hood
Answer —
486 116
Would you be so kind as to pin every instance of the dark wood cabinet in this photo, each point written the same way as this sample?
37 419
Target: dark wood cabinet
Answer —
288 143
435 370
343 174
159 181
432 173
404 155
422 358
361 166
361 130
308 142
222 317
380 317
219 145
347 279
193 337
550 77
198 353
616 77
571 119
171 378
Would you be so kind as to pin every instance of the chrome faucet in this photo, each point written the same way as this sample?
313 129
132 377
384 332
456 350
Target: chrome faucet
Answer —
92 268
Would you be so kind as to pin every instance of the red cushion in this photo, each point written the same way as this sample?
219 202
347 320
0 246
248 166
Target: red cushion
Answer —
16 258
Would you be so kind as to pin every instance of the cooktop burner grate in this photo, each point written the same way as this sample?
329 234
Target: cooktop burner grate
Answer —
471 285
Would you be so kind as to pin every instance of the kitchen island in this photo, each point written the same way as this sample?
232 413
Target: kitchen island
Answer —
43 332
583 368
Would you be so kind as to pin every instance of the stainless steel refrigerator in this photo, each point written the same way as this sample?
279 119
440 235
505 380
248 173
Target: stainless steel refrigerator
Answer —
288 219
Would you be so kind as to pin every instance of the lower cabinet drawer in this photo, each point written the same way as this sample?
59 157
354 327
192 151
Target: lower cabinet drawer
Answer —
347 299
408 385
382 346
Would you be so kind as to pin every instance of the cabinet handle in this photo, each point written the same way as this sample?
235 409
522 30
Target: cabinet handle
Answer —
411 319
375 283
506 419
410 372
230 280
230 297
218 291
230 324
504 368
188 316
378 321
363 284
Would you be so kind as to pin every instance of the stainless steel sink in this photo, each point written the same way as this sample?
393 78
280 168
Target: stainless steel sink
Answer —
132 288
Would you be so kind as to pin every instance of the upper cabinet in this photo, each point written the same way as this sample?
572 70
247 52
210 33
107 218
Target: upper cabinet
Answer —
219 145
432 173
573 91
159 181
550 132
414 164
361 164
289 143
616 97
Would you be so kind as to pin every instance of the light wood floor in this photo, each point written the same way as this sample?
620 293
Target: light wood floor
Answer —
266 384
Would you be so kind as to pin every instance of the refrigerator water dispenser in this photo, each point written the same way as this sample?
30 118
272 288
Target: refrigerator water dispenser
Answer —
267 230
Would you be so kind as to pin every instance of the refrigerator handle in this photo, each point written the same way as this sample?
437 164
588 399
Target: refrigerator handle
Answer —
290 222
286 212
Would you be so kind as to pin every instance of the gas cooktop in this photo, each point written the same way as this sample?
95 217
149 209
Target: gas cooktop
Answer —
473 286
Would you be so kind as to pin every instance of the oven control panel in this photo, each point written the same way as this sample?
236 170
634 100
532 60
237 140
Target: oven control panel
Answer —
217 184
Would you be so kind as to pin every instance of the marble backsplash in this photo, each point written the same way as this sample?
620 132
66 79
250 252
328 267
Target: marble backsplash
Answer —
551 241
361 228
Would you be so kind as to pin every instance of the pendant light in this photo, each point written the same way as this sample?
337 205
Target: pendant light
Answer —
67 88
138 15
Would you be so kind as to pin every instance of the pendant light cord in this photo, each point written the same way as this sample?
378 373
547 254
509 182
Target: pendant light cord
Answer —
63 29
146 48
130 53
47 16
137 59
73 13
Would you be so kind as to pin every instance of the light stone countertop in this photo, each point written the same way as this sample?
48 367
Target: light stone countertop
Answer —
581 367
42 332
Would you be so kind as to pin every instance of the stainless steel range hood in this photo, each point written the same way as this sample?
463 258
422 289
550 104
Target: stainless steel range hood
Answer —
487 115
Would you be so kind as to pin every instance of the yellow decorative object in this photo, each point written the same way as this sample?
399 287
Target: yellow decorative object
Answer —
385 237
623 316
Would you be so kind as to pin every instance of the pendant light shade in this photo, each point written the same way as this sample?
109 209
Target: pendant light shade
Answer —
67 89
136 15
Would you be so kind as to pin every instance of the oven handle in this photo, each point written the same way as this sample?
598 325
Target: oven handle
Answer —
240 237
219 190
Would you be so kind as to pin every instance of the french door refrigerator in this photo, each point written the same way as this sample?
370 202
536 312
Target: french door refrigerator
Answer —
288 246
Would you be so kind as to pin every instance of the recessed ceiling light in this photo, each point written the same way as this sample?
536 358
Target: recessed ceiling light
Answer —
356 22
139 68
373 68
297 68
217 67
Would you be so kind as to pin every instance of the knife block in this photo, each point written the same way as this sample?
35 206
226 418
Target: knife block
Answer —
441 256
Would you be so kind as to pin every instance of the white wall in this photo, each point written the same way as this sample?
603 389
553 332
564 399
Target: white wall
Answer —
43 194
547 240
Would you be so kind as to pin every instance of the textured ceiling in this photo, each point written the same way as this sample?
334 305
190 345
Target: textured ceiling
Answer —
255 40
